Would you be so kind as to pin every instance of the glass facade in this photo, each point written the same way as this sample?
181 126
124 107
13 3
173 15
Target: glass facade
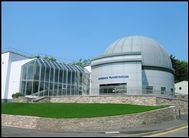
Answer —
40 77
114 88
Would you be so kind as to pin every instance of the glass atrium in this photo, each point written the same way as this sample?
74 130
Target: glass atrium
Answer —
41 77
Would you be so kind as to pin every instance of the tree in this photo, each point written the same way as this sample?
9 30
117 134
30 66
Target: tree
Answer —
16 95
181 69
49 58
82 63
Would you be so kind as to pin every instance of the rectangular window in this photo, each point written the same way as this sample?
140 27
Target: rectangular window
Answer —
149 89
163 90
114 88
172 93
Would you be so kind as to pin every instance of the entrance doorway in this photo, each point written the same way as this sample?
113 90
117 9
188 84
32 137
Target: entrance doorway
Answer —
113 89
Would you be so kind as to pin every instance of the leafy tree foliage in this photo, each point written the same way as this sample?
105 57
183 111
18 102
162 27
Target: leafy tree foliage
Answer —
18 94
82 63
181 69
49 58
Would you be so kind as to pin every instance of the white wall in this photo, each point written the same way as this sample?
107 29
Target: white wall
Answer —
132 69
158 79
11 68
183 85
15 74
5 71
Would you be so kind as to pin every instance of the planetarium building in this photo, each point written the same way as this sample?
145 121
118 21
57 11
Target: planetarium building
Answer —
134 65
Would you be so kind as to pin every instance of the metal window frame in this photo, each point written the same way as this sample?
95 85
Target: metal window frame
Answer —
39 77
58 77
65 83
70 84
53 82
49 75
44 77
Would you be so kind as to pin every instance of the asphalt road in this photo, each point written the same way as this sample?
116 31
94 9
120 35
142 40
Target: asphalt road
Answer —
18 132
159 130
181 133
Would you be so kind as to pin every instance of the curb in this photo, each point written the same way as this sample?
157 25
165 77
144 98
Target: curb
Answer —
148 134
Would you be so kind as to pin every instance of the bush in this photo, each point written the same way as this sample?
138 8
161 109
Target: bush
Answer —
16 95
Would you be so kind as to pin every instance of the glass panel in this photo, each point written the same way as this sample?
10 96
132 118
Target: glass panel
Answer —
24 69
60 77
68 89
149 89
73 77
64 91
55 89
23 84
35 86
42 73
51 89
29 88
36 72
30 72
47 74
76 90
60 89
41 86
46 87
52 75
81 78
69 77
56 75
80 90
114 88
65 77
163 90
72 90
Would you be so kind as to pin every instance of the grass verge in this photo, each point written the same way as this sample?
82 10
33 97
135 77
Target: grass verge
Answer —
73 110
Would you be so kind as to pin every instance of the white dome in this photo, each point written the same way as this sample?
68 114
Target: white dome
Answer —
152 53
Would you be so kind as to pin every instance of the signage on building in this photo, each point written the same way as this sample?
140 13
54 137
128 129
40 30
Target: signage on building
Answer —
113 77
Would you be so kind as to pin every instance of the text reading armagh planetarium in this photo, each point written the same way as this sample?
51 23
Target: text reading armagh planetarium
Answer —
134 65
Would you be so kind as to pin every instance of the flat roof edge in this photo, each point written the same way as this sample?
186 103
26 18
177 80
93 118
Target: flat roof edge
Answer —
10 51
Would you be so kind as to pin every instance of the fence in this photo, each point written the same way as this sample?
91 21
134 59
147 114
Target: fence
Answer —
113 91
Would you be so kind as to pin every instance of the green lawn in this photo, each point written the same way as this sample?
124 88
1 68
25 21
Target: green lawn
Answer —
72 110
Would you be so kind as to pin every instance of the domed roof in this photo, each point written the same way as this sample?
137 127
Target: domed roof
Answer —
152 53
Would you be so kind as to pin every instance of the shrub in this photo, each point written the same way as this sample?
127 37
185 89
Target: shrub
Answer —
16 95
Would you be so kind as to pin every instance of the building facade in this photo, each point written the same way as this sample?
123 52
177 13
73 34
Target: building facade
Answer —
134 65
181 88
39 77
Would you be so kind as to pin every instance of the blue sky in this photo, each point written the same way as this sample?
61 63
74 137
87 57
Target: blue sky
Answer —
73 30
